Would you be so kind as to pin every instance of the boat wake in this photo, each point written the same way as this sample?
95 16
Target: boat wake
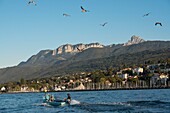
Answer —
130 106
41 104
74 102
105 107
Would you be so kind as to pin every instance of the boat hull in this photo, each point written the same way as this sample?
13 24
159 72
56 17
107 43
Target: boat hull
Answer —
56 102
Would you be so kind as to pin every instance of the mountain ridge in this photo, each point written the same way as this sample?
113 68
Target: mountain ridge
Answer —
45 63
67 51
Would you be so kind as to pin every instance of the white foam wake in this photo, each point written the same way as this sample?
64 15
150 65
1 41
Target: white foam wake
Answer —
74 102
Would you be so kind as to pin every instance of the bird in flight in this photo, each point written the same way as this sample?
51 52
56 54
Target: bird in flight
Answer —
147 14
84 10
66 15
103 24
158 23
32 2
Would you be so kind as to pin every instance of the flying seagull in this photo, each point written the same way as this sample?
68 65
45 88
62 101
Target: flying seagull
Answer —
32 2
84 10
147 14
103 24
66 15
158 23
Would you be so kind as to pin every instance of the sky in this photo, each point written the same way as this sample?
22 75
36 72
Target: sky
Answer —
27 29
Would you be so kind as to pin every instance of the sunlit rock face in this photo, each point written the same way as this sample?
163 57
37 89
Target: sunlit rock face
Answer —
134 40
68 48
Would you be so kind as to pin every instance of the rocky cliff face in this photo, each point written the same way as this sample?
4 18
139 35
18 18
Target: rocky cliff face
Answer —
63 52
134 40
67 51
68 48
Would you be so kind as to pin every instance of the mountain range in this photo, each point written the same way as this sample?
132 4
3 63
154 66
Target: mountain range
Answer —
86 57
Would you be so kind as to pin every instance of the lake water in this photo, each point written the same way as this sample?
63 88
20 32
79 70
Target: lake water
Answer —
118 101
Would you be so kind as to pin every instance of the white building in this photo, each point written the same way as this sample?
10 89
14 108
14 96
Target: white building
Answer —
80 87
138 70
71 81
3 89
57 88
163 78
24 88
63 87
124 76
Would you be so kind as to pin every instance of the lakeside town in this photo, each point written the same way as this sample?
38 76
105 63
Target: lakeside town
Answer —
150 75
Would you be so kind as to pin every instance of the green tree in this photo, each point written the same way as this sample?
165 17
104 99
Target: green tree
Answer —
97 75
102 80
17 88
112 79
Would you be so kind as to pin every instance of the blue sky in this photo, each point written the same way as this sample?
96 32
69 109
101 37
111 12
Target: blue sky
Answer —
25 30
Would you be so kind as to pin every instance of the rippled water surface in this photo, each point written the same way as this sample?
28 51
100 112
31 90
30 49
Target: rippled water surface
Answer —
118 101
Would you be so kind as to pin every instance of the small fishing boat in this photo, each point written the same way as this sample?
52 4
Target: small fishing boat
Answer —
54 102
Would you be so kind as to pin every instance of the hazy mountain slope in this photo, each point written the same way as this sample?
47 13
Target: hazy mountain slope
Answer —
16 73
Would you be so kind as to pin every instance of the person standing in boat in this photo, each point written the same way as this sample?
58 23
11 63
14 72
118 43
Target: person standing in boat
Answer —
68 99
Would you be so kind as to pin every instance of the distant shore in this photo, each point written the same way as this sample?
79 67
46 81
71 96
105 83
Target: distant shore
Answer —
71 90
111 89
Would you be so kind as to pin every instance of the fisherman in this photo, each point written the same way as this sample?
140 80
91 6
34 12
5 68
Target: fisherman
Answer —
68 99
52 98
47 97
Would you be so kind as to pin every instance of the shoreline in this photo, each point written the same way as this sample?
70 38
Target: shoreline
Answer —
82 90
111 89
